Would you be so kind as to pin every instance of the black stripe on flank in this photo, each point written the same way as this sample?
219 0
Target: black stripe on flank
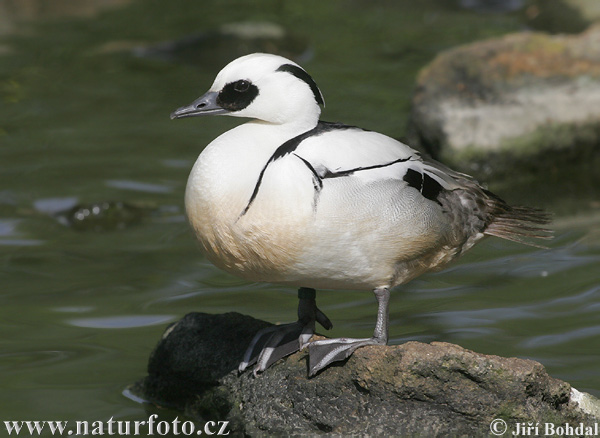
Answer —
425 184
414 179
330 174
431 188
303 76
290 146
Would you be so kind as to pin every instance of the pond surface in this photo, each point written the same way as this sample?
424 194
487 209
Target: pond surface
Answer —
84 119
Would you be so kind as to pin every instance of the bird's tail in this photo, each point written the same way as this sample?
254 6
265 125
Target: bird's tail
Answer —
518 224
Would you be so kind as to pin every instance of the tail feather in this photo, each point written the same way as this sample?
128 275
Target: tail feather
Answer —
517 224
475 210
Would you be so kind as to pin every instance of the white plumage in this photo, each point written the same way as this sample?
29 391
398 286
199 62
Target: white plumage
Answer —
285 198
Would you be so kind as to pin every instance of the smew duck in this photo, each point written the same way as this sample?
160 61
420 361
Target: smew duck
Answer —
289 199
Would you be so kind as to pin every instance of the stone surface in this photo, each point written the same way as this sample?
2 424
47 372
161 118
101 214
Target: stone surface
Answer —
523 94
435 389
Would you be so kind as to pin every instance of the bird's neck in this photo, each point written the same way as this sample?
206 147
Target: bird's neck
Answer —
282 131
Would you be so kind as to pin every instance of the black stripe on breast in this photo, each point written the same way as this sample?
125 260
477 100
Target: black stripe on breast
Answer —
290 146
317 181
321 128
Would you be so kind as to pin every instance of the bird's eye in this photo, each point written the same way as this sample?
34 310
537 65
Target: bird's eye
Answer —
241 86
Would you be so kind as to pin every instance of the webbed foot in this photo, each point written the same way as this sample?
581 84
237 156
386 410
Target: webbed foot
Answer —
273 343
324 352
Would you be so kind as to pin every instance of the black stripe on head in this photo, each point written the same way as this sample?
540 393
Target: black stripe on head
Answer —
236 96
303 76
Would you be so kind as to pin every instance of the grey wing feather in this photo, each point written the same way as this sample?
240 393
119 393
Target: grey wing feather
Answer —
480 210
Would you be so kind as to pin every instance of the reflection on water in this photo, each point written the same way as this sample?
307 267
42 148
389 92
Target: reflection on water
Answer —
81 310
122 321
32 359
10 236
139 186
589 333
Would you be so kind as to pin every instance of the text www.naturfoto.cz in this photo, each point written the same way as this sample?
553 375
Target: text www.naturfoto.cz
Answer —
115 427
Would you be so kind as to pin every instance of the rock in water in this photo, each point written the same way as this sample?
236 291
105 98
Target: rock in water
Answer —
436 389
524 94
102 216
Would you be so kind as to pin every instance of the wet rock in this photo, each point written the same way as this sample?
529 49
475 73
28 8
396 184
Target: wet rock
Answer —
524 95
435 389
558 16
228 42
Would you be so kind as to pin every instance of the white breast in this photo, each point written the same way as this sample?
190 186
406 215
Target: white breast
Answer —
263 242
363 230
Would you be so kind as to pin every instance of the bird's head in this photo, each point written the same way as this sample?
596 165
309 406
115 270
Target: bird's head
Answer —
260 86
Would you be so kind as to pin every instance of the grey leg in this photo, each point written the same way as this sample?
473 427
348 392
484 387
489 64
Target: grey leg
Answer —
322 353
273 343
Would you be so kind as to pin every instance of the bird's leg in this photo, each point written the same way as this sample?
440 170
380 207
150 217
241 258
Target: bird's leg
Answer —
272 343
324 352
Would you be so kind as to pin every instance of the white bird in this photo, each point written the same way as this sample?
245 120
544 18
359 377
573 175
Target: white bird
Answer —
289 199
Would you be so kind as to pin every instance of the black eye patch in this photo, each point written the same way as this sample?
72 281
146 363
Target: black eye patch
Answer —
236 96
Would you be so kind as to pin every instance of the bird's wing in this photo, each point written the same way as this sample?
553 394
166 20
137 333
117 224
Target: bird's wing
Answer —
369 156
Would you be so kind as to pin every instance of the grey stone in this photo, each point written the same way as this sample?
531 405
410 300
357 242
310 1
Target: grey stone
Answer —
521 95
436 389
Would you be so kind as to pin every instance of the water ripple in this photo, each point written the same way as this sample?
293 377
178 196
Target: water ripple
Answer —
120 322
11 235
561 338
139 186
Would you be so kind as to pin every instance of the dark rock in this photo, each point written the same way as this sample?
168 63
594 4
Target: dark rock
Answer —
435 389
195 353
102 216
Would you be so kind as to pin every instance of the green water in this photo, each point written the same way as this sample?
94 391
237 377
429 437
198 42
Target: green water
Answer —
84 122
